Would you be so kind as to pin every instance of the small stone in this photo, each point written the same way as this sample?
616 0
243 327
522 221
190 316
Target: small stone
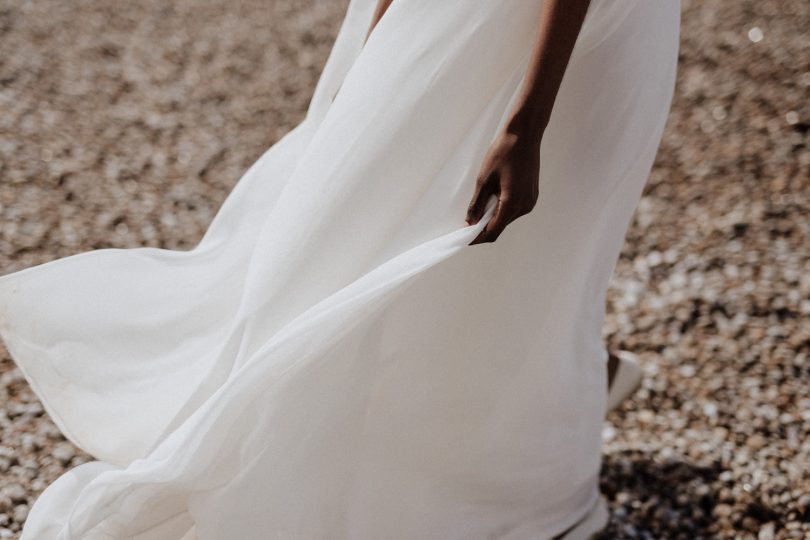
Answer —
21 513
15 492
64 452
723 510
767 532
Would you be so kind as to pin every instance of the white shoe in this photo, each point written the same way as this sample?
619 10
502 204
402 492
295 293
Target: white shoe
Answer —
626 380
593 522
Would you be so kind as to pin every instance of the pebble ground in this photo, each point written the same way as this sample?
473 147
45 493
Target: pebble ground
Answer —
126 124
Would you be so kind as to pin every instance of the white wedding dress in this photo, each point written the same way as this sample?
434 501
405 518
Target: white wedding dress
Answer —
333 360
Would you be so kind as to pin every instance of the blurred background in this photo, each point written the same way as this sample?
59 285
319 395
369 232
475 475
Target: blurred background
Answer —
126 124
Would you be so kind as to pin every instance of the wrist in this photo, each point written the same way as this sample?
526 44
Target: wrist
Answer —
528 126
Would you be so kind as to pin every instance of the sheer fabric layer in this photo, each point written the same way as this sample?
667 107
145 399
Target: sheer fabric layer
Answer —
333 360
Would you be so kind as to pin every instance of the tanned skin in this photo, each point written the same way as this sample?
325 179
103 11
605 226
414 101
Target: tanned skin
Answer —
382 7
511 167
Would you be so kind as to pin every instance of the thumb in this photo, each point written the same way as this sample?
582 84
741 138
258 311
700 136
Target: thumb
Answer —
476 208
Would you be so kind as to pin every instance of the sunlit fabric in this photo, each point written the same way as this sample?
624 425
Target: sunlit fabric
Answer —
333 360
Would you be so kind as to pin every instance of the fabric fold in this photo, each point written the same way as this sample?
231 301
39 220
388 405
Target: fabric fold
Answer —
333 359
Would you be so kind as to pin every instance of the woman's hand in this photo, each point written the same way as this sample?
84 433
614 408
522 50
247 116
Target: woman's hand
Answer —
511 168
510 171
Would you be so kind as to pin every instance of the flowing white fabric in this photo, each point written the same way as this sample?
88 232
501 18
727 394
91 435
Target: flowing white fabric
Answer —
332 360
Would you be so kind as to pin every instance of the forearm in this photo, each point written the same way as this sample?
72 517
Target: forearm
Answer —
382 6
560 24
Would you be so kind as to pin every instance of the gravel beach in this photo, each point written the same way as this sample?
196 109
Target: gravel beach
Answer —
126 124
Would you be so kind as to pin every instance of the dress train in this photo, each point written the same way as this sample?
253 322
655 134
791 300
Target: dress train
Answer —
333 360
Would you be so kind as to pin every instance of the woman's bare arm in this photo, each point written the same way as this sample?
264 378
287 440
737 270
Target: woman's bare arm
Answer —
511 167
382 6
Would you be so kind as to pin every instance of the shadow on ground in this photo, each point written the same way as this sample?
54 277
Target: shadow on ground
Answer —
654 499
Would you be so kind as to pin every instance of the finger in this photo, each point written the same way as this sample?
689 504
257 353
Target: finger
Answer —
497 224
478 204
